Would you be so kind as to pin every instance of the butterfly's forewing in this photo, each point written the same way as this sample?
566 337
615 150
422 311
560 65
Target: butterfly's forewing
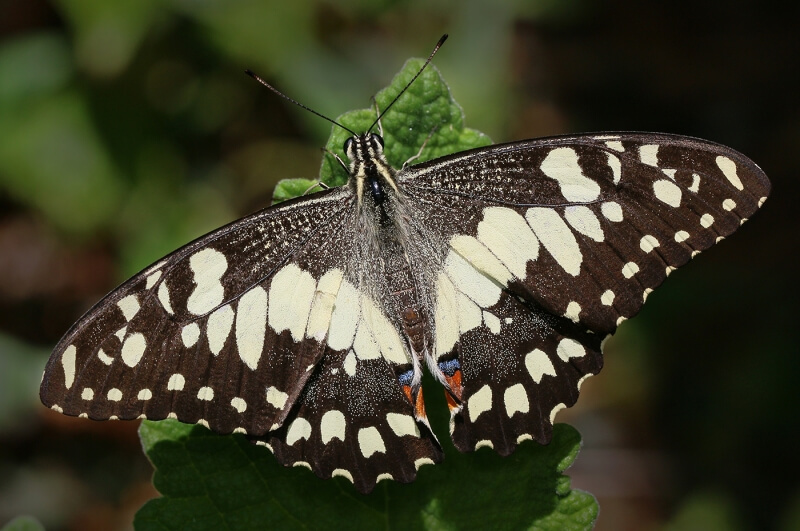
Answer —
553 243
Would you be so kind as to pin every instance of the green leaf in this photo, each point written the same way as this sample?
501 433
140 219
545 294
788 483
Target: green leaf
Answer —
23 523
210 481
223 482
426 111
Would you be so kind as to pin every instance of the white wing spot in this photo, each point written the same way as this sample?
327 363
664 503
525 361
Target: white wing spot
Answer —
176 382
145 394
681 236
350 363
423 461
206 394
251 325
583 379
646 294
728 168
202 422
240 430
695 187
370 441
68 363
706 220
482 259
319 318
616 145
492 322
649 154
129 306
300 428
506 234
57 408
479 402
569 348
333 426
114 394
208 266
471 282
615 164
761 201
516 400
573 311
555 411
344 320
291 295
190 334
668 192
612 211
556 237
402 424
630 269
729 204
342 473
561 164
87 393
105 358
538 364
607 298
485 443
152 278
276 398
384 476
669 270
163 297
648 243
133 349
584 221
218 328
239 404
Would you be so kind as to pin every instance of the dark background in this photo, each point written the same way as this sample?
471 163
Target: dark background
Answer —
128 128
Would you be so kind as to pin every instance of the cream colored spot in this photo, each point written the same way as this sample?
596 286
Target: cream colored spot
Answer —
386 336
524 437
240 430
87 393
561 164
176 382
344 320
607 298
218 328
630 269
300 428
695 187
681 236
105 358
129 306
761 201
612 211
385 476
190 334
729 204
114 394
615 165
172 415
482 258
471 282
342 473
479 402
492 322
706 220
291 295
649 154
350 363
121 333
669 270
485 443
402 425
646 294
583 379
152 278
333 426
319 318
206 394
202 422
276 398
573 311
516 400
208 266
68 363
538 364
584 221
616 145
133 349
423 461
370 441
251 324
145 394
728 168
555 411
569 348
667 192
556 237
163 297
506 234
57 408
303 464
648 243
239 404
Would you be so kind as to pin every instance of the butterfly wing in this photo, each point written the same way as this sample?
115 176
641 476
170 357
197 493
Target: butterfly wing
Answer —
555 243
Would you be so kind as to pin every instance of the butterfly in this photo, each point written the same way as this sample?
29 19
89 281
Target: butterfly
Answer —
500 270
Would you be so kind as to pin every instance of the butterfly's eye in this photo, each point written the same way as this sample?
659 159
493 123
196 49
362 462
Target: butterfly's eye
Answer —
377 139
347 145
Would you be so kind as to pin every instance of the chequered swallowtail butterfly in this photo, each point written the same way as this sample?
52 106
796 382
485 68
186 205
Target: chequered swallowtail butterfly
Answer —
503 269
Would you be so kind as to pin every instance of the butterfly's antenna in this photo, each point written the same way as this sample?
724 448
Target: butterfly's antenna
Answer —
309 109
435 49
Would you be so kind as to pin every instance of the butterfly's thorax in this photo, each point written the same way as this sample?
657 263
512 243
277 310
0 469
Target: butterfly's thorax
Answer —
382 219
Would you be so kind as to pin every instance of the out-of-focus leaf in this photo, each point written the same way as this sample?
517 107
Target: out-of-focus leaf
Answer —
23 523
20 372
32 66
